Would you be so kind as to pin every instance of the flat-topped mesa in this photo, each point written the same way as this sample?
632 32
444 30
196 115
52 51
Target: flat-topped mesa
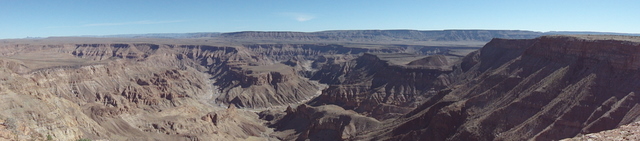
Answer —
262 75
269 35
117 50
621 52
204 51
298 49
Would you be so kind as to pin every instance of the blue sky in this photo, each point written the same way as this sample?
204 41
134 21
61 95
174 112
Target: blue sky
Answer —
43 18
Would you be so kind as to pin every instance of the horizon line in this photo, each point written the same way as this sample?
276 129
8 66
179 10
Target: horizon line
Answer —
550 31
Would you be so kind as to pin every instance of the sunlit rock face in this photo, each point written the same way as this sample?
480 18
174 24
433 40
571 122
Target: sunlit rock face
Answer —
117 91
147 91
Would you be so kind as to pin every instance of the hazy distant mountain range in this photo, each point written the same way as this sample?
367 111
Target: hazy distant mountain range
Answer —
160 35
480 35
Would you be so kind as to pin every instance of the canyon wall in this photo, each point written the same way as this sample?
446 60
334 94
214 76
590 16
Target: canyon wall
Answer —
150 91
547 88
376 87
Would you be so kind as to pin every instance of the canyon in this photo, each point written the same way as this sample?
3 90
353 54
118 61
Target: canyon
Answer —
332 85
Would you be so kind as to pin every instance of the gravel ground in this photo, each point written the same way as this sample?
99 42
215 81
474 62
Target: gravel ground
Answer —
630 132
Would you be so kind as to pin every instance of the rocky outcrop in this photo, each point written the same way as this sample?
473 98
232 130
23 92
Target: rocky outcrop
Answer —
328 122
547 88
265 86
433 61
106 51
625 132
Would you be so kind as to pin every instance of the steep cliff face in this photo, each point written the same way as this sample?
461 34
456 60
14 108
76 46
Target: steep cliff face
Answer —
376 87
547 88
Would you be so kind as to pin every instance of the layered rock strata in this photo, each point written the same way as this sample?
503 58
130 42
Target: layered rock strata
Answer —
376 87
547 88
151 91
119 100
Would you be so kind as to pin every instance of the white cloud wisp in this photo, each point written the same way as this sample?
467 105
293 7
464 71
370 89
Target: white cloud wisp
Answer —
301 17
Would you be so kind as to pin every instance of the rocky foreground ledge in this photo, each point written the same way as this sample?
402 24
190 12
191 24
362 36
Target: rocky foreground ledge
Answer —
630 132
